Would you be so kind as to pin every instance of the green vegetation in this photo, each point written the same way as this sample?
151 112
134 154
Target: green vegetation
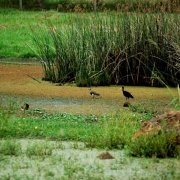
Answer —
106 132
15 31
96 48
112 48
101 5
39 149
10 147
69 127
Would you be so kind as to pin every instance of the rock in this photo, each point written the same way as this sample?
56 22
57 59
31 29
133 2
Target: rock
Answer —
170 121
105 155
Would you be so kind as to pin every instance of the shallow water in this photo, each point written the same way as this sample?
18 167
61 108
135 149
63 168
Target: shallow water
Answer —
69 105
96 106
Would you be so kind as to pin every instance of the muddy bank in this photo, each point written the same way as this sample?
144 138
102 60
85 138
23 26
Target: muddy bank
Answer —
23 83
67 105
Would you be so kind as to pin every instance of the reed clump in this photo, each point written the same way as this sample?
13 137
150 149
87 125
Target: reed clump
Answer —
112 48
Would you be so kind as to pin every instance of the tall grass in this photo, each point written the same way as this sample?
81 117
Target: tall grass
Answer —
112 48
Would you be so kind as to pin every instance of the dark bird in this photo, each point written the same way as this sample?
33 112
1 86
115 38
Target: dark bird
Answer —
127 94
92 93
25 107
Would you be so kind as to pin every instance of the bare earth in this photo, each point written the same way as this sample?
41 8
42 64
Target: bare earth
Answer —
23 83
72 160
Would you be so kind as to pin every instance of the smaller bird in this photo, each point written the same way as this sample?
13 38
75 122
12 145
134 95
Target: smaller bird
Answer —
127 94
25 107
92 93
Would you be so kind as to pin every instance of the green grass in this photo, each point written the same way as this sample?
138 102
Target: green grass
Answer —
106 132
39 149
15 30
10 147
70 127
70 143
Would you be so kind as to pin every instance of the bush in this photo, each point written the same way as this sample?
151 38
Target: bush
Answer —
151 145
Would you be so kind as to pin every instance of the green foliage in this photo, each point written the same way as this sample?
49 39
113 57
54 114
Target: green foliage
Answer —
114 48
152 145
10 147
103 132
113 131
96 48
176 101
8 109
39 149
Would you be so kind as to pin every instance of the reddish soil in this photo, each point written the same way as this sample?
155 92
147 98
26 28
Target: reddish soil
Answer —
25 81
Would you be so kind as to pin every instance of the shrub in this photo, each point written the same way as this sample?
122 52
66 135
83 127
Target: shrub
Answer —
151 145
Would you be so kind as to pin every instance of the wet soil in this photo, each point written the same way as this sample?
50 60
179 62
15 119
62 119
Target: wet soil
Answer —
22 82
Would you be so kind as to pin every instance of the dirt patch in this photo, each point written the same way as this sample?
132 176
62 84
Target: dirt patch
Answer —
23 83
20 80
105 155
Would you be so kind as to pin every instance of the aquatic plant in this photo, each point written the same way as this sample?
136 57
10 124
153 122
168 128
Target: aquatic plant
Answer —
112 48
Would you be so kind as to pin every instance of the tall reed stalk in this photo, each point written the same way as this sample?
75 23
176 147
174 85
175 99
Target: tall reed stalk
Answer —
112 48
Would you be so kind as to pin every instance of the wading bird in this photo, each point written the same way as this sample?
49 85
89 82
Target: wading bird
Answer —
127 94
92 93
25 107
